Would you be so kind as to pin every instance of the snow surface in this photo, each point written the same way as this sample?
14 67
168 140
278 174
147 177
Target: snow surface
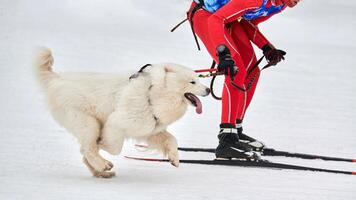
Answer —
307 104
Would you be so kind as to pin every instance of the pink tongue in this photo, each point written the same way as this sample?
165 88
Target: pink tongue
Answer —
199 108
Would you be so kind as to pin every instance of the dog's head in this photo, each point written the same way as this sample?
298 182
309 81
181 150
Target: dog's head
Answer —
180 81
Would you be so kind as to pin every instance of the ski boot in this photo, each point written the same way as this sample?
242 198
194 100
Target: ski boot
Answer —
231 148
247 140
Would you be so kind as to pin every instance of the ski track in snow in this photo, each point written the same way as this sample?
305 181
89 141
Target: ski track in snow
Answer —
307 104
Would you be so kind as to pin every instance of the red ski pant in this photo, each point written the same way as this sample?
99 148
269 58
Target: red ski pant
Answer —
212 30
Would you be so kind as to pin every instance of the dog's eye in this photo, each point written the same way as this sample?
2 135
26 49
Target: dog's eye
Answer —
193 82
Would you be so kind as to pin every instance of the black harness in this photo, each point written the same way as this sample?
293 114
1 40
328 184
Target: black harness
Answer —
135 75
249 85
149 88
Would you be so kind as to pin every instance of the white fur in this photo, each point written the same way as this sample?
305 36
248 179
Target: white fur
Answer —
101 110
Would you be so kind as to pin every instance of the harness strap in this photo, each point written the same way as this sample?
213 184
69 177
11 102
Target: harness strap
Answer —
213 65
178 25
140 71
192 13
194 10
149 88
249 85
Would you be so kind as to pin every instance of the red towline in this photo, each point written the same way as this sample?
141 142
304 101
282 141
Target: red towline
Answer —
205 70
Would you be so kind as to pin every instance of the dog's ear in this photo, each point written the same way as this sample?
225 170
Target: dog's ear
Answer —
158 75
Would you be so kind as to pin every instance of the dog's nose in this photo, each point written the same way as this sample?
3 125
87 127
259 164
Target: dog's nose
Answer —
207 90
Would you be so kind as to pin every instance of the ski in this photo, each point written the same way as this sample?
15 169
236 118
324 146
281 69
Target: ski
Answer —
273 152
269 152
256 164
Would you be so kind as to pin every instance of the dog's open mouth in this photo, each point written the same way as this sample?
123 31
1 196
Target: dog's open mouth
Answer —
194 100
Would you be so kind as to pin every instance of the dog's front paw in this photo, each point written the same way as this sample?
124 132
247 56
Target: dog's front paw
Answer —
105 174
106 166
102 165
173 158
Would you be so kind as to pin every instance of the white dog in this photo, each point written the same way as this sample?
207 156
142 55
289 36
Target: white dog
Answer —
101 110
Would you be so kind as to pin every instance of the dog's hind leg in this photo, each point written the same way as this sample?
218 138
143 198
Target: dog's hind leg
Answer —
167 143
87 130
111 139
112 136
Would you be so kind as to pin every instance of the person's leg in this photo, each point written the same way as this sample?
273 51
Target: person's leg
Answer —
244 45
233 99
234 95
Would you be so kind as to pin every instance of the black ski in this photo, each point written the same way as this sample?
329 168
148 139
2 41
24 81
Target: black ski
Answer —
273 152
257 164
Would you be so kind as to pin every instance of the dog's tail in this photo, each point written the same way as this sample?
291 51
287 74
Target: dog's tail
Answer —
43 63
